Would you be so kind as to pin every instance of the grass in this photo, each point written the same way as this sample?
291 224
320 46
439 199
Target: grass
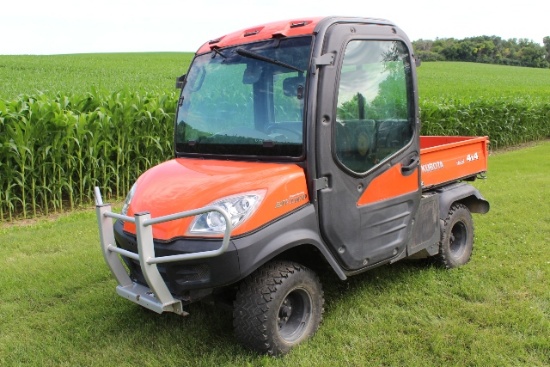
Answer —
58 305
473 81
80 73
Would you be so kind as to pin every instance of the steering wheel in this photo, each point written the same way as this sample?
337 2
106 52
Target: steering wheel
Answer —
243 132
273 128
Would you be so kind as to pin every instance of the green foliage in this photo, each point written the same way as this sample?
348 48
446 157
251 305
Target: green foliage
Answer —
71 122
80 73
58 305
484 49
508 104
55 148
506 122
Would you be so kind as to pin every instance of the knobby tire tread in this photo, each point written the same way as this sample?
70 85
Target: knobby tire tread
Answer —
444 257
254 300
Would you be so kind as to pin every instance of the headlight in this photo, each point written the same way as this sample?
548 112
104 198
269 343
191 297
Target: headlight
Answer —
128 200
239 207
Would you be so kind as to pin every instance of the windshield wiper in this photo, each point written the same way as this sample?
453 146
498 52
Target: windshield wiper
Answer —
218 52
256 56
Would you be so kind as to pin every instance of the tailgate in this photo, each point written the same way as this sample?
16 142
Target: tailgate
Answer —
445 159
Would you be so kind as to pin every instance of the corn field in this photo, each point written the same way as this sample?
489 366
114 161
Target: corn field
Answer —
507 122
55 149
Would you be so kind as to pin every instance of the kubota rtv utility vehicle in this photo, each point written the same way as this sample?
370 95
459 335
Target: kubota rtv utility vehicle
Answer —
297 148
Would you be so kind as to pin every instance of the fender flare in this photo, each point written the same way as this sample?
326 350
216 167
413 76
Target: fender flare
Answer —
298 229
463 193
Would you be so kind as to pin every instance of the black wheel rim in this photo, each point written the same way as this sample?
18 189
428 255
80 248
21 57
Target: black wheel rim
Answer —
457 242
294 314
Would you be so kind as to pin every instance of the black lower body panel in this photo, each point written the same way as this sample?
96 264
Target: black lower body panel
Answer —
185 276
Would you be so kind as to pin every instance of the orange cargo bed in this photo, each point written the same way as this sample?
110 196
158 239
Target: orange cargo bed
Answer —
445 159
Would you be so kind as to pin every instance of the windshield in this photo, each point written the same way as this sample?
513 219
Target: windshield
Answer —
245 101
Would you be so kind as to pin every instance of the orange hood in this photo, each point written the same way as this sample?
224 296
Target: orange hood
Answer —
184 184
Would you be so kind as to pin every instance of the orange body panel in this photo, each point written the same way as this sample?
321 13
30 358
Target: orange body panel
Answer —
185 184
443 159
286 28
388 185
450 158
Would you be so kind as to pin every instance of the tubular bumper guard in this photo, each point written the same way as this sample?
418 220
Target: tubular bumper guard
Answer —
156 296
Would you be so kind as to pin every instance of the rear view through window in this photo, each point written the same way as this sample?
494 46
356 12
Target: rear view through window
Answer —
374 117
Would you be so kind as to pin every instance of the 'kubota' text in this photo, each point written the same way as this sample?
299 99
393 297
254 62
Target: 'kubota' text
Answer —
428 167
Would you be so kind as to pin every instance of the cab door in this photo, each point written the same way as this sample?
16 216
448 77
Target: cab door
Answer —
367 145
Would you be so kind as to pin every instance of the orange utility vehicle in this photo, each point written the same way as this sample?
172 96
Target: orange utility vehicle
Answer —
297 150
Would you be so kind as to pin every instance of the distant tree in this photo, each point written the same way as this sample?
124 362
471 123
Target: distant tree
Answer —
423 45
468 50
533 56
423 51
451 51
546 41
429 56
486 49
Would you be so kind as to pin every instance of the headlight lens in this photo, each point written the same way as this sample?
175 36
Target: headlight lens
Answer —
128 200
239 207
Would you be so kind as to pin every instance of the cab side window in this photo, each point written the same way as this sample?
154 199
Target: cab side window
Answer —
374 117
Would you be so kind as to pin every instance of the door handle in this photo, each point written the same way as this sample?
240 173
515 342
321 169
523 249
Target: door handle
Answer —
411 166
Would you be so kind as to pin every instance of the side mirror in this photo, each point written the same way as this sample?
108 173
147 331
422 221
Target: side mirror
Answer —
180 81
417 61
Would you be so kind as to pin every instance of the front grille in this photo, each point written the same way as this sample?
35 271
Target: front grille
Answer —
191 273
176 275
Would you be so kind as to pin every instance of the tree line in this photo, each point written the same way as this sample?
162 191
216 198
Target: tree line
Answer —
486 49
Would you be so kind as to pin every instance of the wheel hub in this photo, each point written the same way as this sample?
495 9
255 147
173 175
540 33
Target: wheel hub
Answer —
285 312
457 239
294 313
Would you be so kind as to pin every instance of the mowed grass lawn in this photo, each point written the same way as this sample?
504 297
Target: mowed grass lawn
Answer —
58 305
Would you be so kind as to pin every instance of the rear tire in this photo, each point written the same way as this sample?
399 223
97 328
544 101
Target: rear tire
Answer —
278 307
457 237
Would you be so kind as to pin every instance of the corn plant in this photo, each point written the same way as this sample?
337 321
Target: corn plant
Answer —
55 148
506 122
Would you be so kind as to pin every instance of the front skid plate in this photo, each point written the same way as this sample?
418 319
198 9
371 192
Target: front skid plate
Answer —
143 296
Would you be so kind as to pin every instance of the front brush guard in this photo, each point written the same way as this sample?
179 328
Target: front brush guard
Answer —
155 296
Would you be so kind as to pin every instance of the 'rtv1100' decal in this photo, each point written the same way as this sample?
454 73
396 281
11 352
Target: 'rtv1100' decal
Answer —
292 199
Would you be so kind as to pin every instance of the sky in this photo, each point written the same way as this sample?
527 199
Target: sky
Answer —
42 27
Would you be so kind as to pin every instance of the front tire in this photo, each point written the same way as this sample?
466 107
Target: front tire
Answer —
457 237
278 307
